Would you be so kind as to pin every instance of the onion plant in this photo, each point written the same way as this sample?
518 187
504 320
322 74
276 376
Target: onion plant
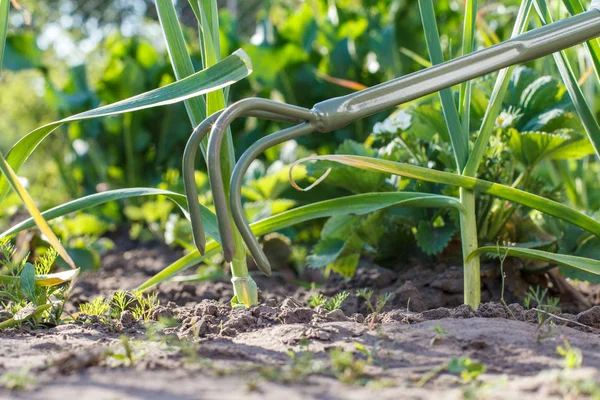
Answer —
339 112
189 88
204 98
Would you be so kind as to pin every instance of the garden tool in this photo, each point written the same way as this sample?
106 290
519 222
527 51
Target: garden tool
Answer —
338 112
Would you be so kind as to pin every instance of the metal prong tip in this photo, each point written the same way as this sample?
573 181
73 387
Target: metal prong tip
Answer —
265 268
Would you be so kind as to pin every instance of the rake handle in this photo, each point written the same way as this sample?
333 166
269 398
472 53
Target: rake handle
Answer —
338 112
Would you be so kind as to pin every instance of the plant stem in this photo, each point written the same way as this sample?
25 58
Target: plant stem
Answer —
244 287
468 231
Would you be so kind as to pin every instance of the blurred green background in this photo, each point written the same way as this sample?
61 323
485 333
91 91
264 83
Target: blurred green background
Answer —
67 56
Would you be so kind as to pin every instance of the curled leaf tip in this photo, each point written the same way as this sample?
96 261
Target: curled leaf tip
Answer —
315 183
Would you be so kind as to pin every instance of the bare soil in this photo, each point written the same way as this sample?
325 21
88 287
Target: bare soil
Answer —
283 349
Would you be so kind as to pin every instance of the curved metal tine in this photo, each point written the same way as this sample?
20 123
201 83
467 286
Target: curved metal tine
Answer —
215 174
189 158
235 194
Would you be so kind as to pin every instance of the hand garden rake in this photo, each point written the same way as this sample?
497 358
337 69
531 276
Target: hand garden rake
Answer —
338 112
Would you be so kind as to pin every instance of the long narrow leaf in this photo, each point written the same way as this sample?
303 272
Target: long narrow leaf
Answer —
496 99
210 223
468 43
179 56
358 204
593 46
4 7
47 279
43 226
459 140
580 263
230 70
566 72
495 189
9 323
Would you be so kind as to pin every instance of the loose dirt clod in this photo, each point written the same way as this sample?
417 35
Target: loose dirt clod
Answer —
212 345
590 317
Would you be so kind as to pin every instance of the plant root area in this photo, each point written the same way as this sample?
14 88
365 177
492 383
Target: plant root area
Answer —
422 345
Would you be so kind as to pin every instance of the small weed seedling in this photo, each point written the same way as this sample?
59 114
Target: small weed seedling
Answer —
299 366
128 353
379 303
346 368
17 380
573 357
542 302
98 307
439 332
467 368
370 354
331 304
120 302
109 311
28 291
144 305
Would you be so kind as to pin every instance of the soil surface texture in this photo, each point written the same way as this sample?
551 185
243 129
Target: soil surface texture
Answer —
422 345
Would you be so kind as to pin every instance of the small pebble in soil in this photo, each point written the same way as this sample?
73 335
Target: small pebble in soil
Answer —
437 313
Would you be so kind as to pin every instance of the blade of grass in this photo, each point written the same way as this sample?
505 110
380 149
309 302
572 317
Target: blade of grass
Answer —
566 72
114 195
34 212
580 263
415 57
496 99
227 72
464 103
357 204
179 56
495 189
432 37
593 46
4 8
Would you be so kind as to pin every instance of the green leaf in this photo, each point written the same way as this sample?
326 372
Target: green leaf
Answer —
532 147
495 104
336 236
4 7
27 280
15 321
271 185
11 177
349 178
210 224
432 240
458 137
22 52
468 44
230 70
179 56
589 249
566 72
551 120
345 265
357 204
505 192
541 94
593 46
578 263
325 252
